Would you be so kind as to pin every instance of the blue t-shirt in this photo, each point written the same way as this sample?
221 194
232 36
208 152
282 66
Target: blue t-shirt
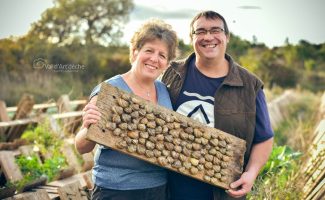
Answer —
196 100
115 170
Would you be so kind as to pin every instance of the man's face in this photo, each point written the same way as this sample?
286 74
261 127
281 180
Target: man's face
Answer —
209 44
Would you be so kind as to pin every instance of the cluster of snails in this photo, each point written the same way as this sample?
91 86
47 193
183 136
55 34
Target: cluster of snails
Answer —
169 141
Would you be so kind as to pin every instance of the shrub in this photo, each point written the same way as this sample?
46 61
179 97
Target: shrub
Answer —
277 178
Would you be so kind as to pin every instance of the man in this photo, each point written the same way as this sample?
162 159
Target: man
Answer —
210 87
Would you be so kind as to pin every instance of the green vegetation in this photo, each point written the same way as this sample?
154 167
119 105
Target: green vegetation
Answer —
285 67
279 178
50 160
44 139
32 168
18 74
276 180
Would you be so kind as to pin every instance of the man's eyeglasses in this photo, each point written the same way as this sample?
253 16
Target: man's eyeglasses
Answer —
212 31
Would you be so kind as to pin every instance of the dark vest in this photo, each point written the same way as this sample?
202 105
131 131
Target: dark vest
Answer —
235 99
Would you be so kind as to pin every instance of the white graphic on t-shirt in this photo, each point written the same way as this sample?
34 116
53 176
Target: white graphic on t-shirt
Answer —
199 110
198 96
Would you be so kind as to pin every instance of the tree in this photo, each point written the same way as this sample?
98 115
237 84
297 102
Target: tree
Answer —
237 47
273 68
184 49
92 21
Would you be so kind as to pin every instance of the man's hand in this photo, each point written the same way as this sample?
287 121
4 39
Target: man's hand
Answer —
242 186
259 155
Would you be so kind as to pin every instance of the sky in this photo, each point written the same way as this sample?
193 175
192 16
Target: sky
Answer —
270 21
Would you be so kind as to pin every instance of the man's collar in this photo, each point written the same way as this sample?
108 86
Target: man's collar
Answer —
181 66
233 78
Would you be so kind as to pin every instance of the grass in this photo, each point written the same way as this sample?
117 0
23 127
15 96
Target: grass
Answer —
296 130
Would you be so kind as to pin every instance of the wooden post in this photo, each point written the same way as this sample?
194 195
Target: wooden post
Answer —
76 121
73 123
63 107
69 153
63 104
3 118
3 112
25 106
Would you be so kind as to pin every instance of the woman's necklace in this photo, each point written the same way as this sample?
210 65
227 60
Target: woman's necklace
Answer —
147 91
148 94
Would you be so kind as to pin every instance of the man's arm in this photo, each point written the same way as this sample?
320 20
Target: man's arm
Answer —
259 155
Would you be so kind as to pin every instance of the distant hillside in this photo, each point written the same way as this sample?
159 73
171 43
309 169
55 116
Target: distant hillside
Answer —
47 70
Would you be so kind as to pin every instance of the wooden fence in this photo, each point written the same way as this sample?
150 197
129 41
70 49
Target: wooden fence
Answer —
27 113
69 186
313 173
279 106
12 172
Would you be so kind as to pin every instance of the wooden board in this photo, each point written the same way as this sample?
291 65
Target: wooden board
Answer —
72 159
87 178
49 189
34 195
88 161
313 173
72 191
9 167
73 123
166 138
12 145
45 106
72 179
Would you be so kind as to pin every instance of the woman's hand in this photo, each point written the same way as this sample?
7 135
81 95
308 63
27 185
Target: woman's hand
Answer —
90 113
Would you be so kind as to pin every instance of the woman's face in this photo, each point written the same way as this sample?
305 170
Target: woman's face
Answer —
151 60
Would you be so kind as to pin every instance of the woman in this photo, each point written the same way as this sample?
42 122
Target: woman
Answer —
118 176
